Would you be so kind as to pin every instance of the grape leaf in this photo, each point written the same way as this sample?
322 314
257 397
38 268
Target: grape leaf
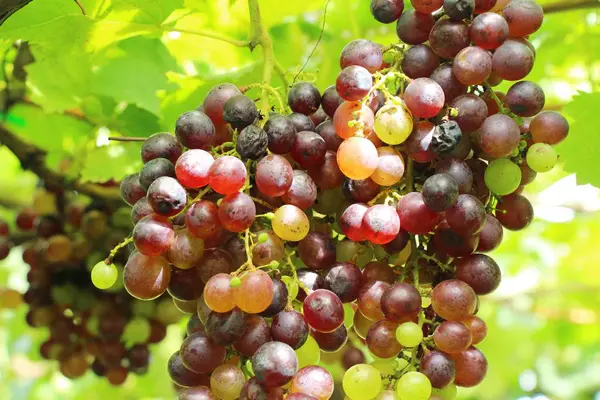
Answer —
580 149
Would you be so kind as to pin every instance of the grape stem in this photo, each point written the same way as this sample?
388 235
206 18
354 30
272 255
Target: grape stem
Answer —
115 250
127 139
248 247
409 175
260 36
270 89
501 106
262 203
288 259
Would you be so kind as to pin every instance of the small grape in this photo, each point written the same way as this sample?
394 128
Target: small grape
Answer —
541 157
502 176
413 386
409 334
103 275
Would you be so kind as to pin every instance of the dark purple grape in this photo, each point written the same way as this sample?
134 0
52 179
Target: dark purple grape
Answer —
378 271
471 112
398 243
256 334
323 310
331 100
491 234
360 191
301 122
413 27
451 243
440 192
513 60
166 196
194 325
281 133
471 367
489 30
239 111
253 390
225 328
309 149
131 189
185 284
280 299
304 98
345 280
327 131
317 251
318 116
274 364
290 328
459 9
183 376
353 83
303 192
419 61
499 136
467 216
439 368
200 354
252 143
311 281
333 341
447 38
352 356
525 98
524 17
161 145
480 271
381 340
154 169
364 53
459 171
215 101
472 65
195 130
451 86
401 302
387 11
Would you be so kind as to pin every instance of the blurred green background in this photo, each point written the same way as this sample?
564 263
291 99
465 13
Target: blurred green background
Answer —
131 67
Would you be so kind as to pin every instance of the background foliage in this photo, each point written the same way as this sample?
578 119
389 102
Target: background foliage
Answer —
130 67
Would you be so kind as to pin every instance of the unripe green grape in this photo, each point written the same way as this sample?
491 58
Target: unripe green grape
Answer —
84 300
448 392
380 253
143 308
349 251
413 386
167 313
309 353
137 331
64 294
409 334
263 237
502 176
386 366
348 315
362 382
103 275
541 157
92 325
119 285
235 282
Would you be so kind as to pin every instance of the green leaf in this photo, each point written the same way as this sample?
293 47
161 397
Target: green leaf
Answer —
114 161
581 148
136 73
292 287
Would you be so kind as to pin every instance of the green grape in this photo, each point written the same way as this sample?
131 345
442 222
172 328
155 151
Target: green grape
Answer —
401 257
143 308
290 223
84 300
64 294
121 219
309 353
362 382
348 315
92 325
502 176
349 251
409 334
413 386
167 313
118 286
380 253
541 157
137 331
387 366
263 237
448 392
103 275
329 200
235 282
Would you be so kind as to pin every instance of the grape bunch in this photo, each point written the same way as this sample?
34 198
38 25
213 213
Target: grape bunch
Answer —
63 236
363 213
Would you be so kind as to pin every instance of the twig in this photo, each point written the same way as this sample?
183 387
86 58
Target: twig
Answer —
569 5
316 44
214 35
409 175
262 203
34 159
116 249
80 7
127 139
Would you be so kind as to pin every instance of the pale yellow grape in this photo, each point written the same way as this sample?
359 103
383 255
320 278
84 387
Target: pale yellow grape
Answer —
393 122
104 276
357 157
409 334
309 353
227 381
413 386
390 167
290 223
541 157
362 382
